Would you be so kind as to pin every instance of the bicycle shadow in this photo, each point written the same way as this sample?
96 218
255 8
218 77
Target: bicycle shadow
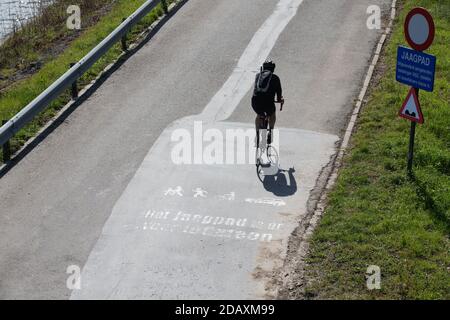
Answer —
279 185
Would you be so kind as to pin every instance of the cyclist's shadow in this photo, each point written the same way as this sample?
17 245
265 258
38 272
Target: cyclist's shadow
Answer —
279 185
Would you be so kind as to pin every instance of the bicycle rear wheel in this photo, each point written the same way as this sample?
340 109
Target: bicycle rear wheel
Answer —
272 155
260 172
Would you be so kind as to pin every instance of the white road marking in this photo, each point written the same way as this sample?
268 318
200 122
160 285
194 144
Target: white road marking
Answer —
228 97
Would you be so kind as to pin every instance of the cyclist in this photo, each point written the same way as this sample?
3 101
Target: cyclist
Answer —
267 85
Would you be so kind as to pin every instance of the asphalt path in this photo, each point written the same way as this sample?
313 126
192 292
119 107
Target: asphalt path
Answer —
106 191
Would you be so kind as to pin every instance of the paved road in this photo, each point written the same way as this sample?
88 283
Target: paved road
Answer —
104 190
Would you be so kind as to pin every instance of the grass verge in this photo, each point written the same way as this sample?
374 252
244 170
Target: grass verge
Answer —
21 92
375 214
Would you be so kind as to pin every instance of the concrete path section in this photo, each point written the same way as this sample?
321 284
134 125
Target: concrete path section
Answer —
202 231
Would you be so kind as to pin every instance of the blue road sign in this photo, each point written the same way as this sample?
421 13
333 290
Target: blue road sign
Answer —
415 68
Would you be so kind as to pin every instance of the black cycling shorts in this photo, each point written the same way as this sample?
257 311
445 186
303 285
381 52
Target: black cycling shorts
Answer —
263 108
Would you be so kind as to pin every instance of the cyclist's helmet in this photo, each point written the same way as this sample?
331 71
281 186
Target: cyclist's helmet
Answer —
269 65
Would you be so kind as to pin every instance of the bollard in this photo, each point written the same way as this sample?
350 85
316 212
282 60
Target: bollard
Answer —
74 90
6 148
164 5
124 40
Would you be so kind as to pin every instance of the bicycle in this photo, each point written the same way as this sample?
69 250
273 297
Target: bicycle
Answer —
261 149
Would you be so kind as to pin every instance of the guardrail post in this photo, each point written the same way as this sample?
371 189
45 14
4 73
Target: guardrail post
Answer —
6 148
74 86
164 5
124 40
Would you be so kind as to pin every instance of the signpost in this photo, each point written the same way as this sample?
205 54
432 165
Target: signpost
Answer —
416 69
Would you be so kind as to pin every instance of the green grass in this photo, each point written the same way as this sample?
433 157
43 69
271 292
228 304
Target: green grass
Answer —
378 216
37 39
18 95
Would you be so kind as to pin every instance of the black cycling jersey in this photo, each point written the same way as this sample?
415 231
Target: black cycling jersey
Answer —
264 103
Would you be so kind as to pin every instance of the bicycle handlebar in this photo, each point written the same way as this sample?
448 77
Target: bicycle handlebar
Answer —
280 102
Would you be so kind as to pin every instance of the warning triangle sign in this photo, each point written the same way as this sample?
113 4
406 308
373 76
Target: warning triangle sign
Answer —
411 108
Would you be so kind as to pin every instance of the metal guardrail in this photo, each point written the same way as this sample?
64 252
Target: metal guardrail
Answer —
27 114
